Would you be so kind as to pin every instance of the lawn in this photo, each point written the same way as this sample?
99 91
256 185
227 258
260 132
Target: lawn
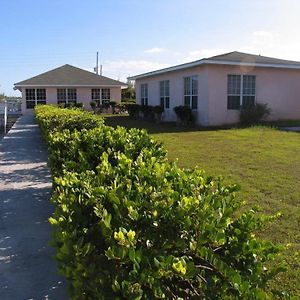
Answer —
263 160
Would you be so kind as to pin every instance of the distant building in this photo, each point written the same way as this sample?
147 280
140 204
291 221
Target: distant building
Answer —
216 88
68 84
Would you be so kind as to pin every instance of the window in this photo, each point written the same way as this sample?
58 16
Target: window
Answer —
105 95
248 91
96 96
233 91
72 95
191 92
41 96
66 96
61 96
144 94
34 97
240 91
164 87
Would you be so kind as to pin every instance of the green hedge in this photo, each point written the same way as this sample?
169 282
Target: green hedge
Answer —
130 225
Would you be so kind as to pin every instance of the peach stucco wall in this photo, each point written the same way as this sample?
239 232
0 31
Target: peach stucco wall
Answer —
83 95
279 88
176 92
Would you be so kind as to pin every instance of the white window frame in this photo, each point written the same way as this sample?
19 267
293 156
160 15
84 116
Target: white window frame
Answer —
144 94
164 94
191 91
241 93
36 100
105 100
67 100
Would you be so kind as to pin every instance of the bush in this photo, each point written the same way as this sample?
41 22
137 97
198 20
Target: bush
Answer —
131 101
184 114
147 111
79 105
158 110
81 151
93 105
130 225
52 118
254 114
133 109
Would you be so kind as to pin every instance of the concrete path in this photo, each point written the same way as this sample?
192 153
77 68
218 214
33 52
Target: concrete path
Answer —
294 129
27 269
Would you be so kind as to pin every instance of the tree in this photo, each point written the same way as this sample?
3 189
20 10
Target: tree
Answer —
128 93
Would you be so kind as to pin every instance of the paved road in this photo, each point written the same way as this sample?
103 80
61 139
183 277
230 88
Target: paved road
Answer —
27 269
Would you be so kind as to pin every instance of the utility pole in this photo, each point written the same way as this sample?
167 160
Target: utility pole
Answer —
96 69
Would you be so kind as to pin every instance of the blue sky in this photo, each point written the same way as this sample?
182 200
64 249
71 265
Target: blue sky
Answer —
136 36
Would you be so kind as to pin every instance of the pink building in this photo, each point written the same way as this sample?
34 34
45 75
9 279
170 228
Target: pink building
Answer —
68 84
216 88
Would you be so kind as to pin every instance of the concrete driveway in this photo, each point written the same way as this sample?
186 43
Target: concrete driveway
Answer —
27 269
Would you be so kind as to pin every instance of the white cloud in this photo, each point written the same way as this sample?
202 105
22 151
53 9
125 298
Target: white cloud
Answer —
121 69
155 50
204 53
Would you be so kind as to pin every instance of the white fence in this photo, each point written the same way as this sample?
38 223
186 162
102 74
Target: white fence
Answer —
13 106
3 114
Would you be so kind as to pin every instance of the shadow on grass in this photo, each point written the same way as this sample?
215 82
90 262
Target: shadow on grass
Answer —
152 126
171 127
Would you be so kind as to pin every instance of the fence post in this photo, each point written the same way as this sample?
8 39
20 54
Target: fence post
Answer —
5 117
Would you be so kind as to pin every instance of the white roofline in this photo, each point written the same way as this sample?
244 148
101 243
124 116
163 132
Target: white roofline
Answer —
66 85
214 62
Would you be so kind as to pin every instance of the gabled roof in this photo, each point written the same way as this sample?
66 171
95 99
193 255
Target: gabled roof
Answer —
234 58
68 75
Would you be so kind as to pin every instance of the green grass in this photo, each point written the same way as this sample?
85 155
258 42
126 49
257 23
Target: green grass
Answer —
263 160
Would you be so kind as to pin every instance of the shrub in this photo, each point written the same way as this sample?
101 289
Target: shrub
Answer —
113 106
158 110
254 114
93 105
147 111
184 114
79 105
79 151
131 101
53 118
138 228
70 105
130 225
133 109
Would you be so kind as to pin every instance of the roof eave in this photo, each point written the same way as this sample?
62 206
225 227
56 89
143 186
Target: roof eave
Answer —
69 85
214 62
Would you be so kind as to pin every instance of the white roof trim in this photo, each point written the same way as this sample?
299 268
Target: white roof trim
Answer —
65 85
214 62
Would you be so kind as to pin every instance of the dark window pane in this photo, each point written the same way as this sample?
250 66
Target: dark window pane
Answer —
187 101
41 102
72 95
162 102
30 94
95 94
30 104
194 102
167 102
61 95
233 102
248 101
233 84
41 94
105 94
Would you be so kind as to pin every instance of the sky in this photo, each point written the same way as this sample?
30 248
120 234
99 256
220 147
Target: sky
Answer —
137 36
